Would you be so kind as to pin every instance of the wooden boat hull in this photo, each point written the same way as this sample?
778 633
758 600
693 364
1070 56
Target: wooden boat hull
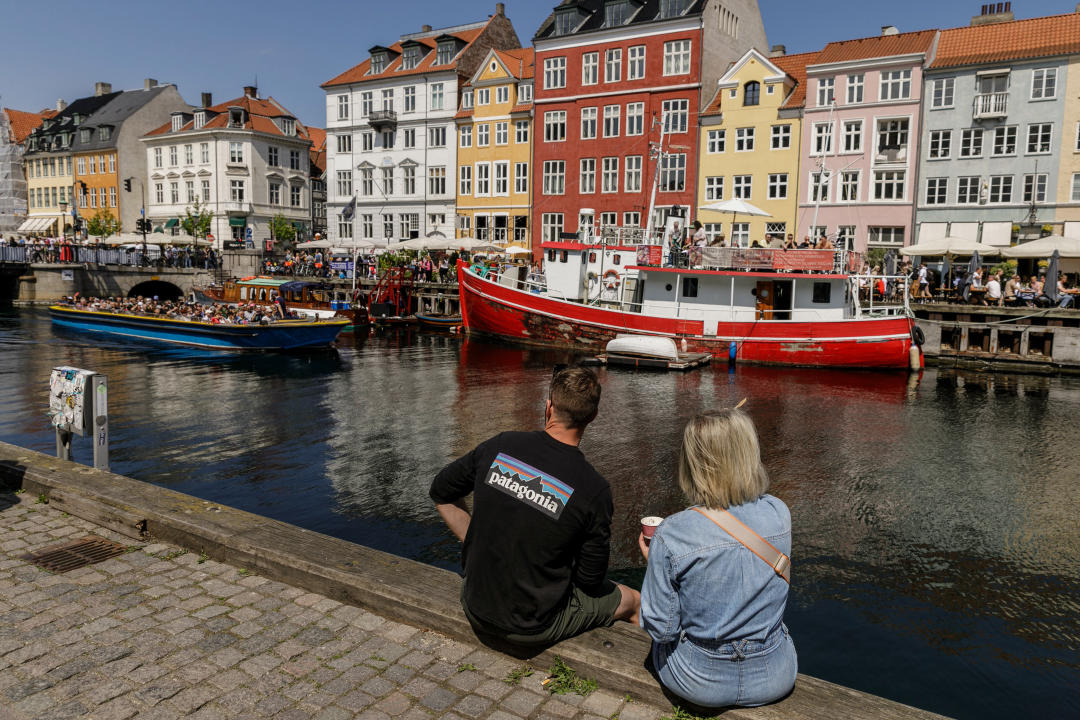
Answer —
287 335
492 309
438 322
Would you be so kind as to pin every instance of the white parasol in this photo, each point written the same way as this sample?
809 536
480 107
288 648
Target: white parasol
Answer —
1066 247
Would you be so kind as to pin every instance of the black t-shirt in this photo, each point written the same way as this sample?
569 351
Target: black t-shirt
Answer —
541 520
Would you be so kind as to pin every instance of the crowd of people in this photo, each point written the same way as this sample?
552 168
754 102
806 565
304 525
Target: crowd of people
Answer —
318 264
216 313
999 288
536 546
64 251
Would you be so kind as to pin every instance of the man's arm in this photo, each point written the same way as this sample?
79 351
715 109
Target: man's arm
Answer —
590 567
456 516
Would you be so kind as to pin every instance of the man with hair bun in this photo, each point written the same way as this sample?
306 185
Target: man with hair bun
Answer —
536 543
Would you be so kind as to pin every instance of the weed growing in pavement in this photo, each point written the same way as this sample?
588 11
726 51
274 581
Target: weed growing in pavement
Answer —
243 572
679 714
515 675
376 658
563 679
173 554
20 491
43 499
466 667
203 557
627 699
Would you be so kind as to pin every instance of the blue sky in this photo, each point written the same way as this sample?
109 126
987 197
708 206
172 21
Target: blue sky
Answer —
291 47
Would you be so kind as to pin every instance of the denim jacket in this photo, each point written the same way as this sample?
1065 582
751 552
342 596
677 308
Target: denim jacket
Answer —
705 584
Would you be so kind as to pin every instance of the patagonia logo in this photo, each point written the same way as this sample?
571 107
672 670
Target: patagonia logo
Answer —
529 485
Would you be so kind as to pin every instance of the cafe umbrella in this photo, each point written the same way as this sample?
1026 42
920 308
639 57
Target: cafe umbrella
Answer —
972 266
735 206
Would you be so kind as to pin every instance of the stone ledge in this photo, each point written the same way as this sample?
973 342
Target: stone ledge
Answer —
389 586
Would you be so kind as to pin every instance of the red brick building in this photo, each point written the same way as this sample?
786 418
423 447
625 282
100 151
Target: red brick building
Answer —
608 73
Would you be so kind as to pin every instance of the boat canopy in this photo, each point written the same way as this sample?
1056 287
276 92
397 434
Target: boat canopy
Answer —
265 281
299 285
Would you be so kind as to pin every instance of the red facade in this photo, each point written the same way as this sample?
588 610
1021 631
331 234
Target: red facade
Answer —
652 91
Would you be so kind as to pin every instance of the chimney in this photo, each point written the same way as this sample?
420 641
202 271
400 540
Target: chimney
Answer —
102 88
251 91
207 100
149 84
889 30
425 28
994 13
778 51
500 8
60 105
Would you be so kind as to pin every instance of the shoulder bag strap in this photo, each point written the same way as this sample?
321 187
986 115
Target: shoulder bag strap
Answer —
778 561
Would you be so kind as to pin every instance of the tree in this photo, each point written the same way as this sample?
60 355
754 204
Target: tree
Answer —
281 229
102 224
197 219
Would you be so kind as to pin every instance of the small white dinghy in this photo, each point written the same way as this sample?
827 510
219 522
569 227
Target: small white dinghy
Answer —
650 351
649 346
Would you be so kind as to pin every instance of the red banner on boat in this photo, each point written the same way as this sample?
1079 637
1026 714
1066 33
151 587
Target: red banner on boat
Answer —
650 255
816 260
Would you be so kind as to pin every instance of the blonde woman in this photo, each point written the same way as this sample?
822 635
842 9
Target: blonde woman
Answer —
714 608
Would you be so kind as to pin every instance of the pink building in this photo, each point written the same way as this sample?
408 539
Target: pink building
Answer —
860 136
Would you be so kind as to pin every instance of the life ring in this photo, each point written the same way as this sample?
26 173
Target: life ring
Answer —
612 280
917 335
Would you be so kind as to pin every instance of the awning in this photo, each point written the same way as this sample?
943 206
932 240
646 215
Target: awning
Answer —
997 233
968 230
931 231
171 223
27 225
36 224
237 222
1072 229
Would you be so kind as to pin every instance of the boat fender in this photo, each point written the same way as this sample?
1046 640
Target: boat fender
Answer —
611 280
917 335
914 358
733 351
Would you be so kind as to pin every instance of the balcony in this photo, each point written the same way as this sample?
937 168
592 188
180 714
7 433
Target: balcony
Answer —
382 120
237 208
991 106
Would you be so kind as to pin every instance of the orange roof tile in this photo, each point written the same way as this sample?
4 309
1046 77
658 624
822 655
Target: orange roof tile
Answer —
23 123
519 62
521 108
878 46
359 73
793 65
260 114
1032 38
317 153
464 113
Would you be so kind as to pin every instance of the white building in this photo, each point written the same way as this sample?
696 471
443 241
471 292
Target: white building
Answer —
247 160
391 136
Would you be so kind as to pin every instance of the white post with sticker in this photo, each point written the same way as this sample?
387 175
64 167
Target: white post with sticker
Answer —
79 404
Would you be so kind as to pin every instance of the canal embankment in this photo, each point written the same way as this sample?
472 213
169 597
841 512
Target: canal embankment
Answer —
401 590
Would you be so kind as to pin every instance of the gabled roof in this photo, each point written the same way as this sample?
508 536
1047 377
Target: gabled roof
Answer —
259 118
63 121
360 73
1017 40
113 114
22 123
878 46
794 66
649 11
519 63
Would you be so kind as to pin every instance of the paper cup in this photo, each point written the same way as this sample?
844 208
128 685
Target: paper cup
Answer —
649 525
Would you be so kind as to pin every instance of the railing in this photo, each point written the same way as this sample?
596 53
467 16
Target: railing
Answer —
868 298
382 117
991 105
9 254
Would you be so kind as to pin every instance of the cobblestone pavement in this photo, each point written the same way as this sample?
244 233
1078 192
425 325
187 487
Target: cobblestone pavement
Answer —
160 633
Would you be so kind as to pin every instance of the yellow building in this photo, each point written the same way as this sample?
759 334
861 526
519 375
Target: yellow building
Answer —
48 188
1068 199
750 147
494 157
96 182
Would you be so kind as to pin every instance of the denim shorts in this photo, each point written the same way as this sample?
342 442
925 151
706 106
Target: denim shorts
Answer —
580 613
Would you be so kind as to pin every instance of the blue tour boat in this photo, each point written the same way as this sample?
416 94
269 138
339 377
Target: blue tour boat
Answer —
279 335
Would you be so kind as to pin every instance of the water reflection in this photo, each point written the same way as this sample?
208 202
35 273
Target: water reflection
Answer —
936 551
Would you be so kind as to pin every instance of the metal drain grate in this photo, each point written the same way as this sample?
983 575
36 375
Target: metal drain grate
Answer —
74 555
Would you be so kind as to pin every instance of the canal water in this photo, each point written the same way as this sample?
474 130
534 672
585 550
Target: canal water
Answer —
936 543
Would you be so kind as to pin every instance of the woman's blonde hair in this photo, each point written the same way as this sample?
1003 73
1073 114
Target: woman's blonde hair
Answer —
720 462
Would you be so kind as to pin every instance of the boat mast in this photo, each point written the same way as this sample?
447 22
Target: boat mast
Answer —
656 151
822 171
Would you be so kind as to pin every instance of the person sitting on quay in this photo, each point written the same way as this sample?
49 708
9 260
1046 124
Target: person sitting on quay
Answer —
732 647
993 290
535 547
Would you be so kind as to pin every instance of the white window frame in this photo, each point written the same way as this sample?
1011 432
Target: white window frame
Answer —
554 177
969 138
895 85
716 141
555 126
1044 133
609 175
778 186
587 176
635 62
521 178
613 65
714 188
826 91
589 123
848 187
744 139
856 85
943 93
780 137
939 146
590 68
632 178
1044 84
937 191
554 73
677 54
635 119
885 179
612 120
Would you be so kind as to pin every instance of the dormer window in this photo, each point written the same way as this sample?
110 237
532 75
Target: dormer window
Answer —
288 126
673 8
85 134
177 122
200 119
525 93
378 63
411 57
445 53
467 99
567 19
76 118
236 117
616 12
105 132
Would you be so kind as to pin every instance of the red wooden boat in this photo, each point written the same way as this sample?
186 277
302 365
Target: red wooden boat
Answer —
743 304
